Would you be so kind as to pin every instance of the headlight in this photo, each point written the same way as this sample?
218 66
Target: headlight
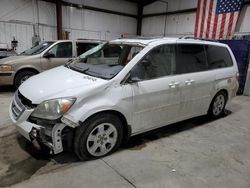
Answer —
53 109
6 68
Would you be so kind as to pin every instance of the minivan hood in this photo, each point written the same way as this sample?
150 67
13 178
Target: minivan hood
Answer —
56 83
15 59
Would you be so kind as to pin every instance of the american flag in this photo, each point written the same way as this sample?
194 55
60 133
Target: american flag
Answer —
216 19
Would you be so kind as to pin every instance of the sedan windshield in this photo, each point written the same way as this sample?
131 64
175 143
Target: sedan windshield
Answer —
37 49
105 60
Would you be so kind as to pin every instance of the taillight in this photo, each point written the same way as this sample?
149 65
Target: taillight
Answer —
237 76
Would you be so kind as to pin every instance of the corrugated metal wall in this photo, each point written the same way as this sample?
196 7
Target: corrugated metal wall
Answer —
18 18
181 24
83 23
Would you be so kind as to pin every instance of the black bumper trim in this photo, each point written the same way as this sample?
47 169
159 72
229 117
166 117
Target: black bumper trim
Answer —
5 74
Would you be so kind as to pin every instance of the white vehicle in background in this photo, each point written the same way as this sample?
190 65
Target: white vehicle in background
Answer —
96 102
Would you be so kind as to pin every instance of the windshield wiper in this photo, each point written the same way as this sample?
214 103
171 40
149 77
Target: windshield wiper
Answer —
81 70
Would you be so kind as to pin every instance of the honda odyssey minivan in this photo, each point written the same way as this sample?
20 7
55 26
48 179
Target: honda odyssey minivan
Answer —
123 88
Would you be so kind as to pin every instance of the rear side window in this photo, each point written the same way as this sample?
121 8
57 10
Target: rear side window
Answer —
190 58
114 51
218 57
83 47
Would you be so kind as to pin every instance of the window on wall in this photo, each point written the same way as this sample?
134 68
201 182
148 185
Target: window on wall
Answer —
62 50
218 57
157 63
190 58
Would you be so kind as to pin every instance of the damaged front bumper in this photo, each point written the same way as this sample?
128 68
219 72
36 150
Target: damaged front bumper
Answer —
49 135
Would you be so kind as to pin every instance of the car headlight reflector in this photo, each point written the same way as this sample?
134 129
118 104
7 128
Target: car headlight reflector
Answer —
53 109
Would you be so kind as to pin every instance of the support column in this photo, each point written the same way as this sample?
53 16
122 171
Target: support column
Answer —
139 19
59 19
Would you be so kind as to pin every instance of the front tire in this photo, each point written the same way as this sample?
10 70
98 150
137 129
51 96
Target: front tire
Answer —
22 77
98 137
217 106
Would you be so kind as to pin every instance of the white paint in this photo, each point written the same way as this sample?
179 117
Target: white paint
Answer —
146 104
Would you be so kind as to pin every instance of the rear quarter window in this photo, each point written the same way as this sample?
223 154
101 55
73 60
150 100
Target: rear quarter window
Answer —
83 47
190 58
218 57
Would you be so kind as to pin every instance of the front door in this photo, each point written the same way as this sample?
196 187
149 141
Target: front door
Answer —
59 55
156 94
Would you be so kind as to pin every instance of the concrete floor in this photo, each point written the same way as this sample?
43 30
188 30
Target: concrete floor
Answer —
194 153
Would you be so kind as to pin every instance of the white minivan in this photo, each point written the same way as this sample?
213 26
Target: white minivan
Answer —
123 88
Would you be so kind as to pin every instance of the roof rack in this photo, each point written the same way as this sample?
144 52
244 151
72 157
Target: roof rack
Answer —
142 37
90 39
195 38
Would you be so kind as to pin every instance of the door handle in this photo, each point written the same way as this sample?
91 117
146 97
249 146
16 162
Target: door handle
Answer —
174 84
189 82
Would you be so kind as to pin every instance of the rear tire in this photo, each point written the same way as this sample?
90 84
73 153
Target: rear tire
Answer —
217 106
98 137
21 77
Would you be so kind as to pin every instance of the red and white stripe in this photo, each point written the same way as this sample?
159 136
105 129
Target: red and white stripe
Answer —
210 25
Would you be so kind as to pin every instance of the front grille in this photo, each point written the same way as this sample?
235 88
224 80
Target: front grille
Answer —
17 106
26 102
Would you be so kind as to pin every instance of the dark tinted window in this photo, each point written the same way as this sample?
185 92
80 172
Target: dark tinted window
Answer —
190 58
218 57
157 63
113 51
83 47
62 50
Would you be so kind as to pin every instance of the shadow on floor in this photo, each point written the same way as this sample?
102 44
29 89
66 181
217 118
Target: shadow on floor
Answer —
136 142
7 89
23 170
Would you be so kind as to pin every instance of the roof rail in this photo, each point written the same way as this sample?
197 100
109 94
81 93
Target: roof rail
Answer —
142 37
187 37
190 37
90 39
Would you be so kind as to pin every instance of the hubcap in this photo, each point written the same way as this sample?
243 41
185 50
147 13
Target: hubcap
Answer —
218 105
102 139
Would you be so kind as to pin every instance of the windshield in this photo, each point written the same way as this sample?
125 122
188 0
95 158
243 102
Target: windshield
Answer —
37 49
105 60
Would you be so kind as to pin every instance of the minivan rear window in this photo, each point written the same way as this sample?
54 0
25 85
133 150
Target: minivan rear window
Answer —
218 57
190 58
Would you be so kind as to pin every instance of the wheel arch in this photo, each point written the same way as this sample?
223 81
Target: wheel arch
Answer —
218 91
221 90
32 69
125 125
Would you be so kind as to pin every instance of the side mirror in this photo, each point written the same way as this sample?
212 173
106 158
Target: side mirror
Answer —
132 80
132 77
49 55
